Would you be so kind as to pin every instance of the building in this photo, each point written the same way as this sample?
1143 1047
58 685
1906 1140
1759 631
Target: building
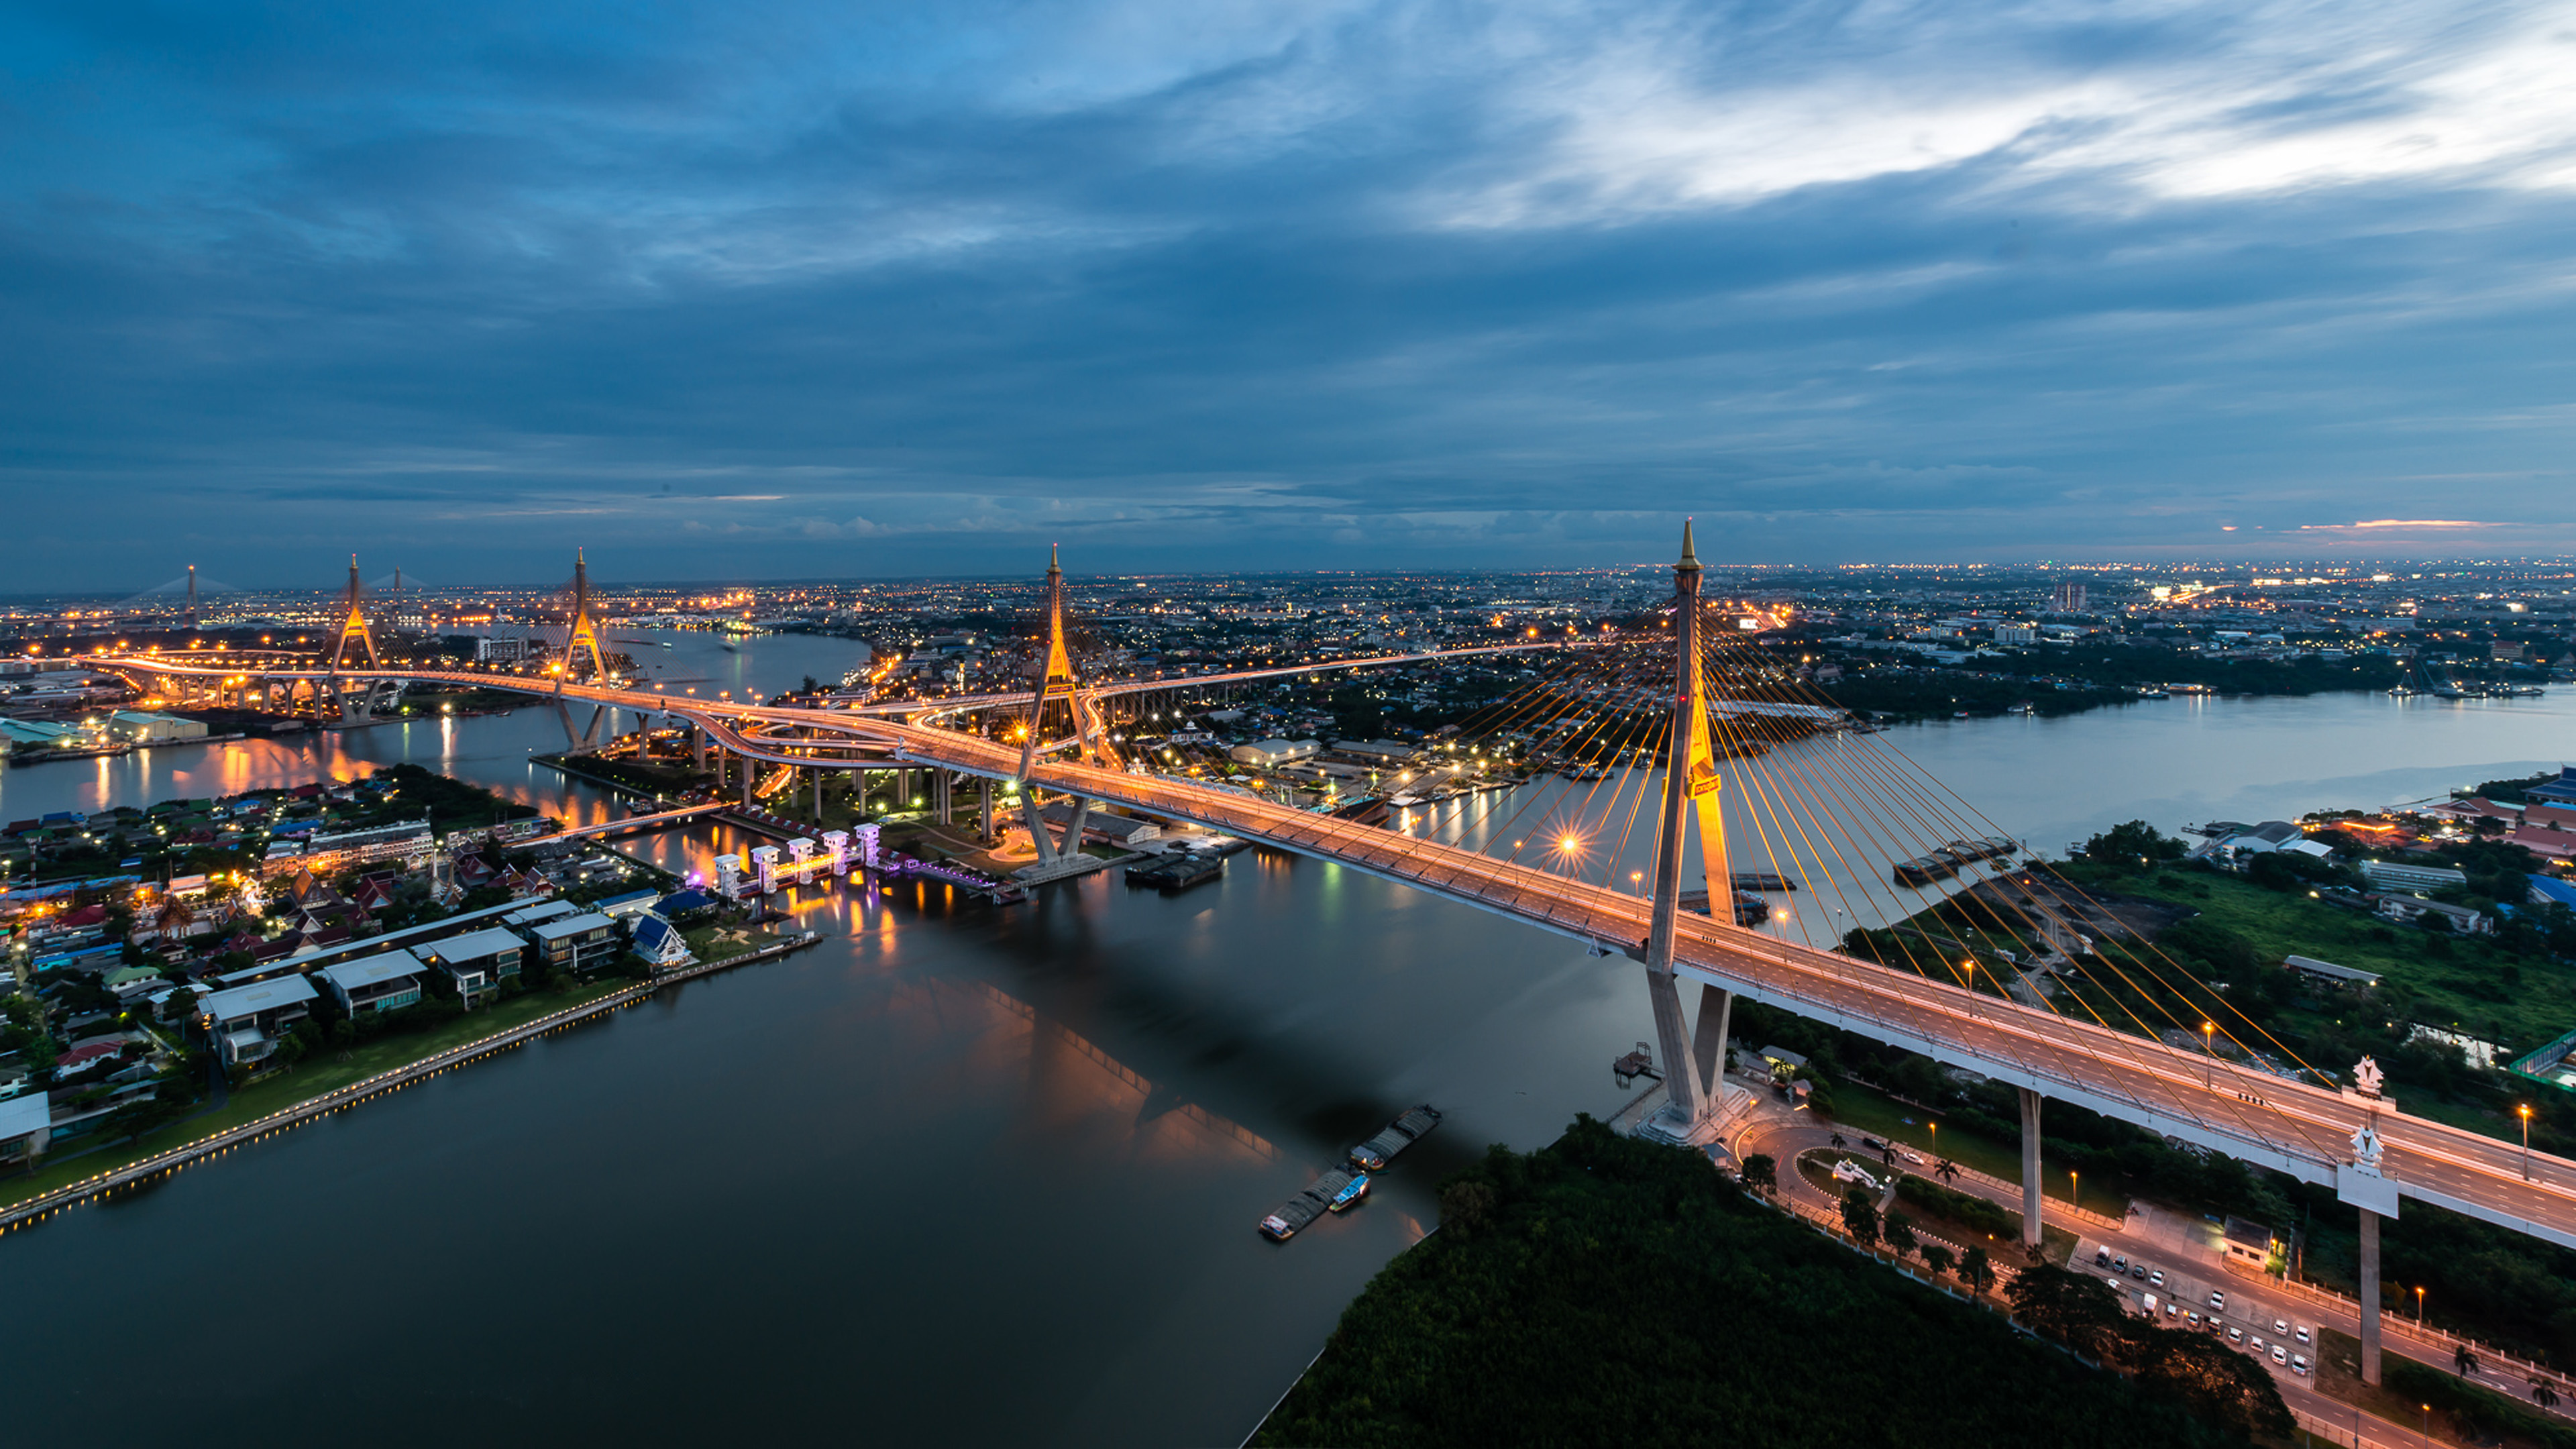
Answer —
26 1127
385 982
1271 754
2461 919
2016 634
338 850
247 1022
2068 598
627 907
2389 875
145 728
477 962
2549 890
659 942
527 916
2250 1246
582 942
2561 791
2327 973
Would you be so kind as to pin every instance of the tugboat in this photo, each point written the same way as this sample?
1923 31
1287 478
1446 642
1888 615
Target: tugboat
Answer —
1351 1192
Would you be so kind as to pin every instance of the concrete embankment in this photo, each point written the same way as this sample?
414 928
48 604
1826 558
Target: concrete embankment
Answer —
37 1209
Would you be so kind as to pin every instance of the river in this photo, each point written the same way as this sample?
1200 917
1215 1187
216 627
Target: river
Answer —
984 1176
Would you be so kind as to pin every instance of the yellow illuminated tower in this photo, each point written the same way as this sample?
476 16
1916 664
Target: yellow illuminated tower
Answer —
353 625
584 632
1056 681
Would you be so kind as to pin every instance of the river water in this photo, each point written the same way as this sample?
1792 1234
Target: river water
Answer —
958 1173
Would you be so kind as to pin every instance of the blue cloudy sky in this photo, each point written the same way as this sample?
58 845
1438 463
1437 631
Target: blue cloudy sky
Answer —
791 289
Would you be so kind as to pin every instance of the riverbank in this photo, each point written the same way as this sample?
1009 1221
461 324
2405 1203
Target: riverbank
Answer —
36 1200
1597 1291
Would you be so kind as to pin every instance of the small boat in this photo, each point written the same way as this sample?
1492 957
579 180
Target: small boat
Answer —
1351 1192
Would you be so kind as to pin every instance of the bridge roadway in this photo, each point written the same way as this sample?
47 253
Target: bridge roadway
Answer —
2303 1130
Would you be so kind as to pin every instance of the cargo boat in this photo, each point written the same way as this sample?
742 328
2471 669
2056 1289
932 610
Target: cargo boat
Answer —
1177 871
1305 1207
1403 1132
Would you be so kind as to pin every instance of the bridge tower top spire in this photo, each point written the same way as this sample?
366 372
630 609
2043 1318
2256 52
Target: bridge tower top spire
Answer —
353 625
192 596
1056 680
585 633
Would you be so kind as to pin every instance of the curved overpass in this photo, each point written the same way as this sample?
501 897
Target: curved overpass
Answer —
2299 1129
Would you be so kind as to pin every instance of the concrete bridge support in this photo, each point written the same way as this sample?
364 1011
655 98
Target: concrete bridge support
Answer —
1056 861
986 791
698 746
943 793
2030 1196
2369 1296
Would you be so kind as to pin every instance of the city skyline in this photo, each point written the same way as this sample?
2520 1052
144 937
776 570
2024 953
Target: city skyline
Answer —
803 293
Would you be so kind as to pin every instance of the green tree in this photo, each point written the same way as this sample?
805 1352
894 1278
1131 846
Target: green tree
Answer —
1938 1258
2081 1312
142 1115
1761 1174
1899 1233
1860 1215
1976 1271
2132 846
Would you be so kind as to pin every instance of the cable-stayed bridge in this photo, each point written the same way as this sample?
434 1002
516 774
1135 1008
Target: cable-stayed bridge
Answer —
1686 763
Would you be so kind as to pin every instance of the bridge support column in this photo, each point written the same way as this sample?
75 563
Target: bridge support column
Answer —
1708 1042
1038 837
698 746
2030 1214
1672 1039
818 797
943 793
2369 1297
749 771
987 804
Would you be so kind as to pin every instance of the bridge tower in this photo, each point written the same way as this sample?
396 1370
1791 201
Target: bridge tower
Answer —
192 596
584 632
1694 1057
353 625
1056 681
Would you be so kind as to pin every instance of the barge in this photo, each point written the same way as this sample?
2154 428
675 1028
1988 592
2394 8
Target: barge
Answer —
1329 1193
1414 1125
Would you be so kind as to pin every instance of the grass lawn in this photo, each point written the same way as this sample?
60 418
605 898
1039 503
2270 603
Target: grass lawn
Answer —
316 1074
2460 979
1859 1109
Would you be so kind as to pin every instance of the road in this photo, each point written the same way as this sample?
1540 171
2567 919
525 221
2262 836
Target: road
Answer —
2303 1130
2181 1247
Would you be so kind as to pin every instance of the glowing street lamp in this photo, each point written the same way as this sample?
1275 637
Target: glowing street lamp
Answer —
2209 1048
2524 1112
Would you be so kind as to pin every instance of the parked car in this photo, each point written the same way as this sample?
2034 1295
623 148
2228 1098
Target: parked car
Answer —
2157 1277
2236 1335
2280 1355
2302 1332
2280 1325
2299 1363
2101 1257
2138 1271
2194 1316
2255 1343
2120 1264
2218 1301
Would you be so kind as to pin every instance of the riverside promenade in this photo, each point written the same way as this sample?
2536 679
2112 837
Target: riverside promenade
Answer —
89 1189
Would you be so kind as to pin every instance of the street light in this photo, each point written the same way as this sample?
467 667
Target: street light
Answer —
2419 1305
2209 1048
2524 1112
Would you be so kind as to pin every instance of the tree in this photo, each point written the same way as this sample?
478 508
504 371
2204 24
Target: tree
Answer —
2209 1378
1938 1258
2466 1361
1466 1203
2542 1394
2132 846
1860 1216
2081 1312
1899 1233
142 1115
1948 1170
1761 1174
1976 1272
1836 1139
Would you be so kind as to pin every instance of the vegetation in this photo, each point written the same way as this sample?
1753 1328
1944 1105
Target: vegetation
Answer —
1599 1292
2086 1314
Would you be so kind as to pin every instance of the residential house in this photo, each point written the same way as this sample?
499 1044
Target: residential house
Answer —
628 907
26 1127
387 981
247 1022
581 942
477 962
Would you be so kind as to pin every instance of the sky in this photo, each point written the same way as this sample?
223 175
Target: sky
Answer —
749 289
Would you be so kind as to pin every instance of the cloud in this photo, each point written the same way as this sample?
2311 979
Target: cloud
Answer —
804 289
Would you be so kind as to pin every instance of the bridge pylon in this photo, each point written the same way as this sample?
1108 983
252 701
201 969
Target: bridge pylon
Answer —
585 633
1056 681
1694 1056
353 625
